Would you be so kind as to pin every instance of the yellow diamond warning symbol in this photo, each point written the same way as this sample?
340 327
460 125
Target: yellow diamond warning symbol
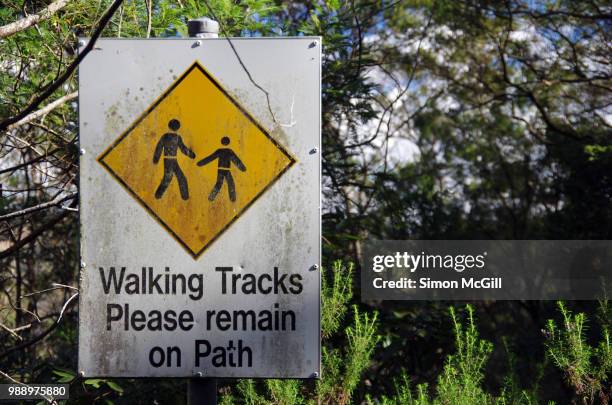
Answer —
196 159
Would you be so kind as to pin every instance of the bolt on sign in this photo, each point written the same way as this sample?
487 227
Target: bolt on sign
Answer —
200 208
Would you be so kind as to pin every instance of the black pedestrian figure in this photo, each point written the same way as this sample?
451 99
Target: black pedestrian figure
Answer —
226 157
169 143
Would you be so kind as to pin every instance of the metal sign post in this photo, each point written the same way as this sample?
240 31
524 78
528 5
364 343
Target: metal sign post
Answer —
202 391
200 209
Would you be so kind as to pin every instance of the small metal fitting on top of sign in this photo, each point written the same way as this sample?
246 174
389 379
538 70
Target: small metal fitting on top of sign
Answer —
203 27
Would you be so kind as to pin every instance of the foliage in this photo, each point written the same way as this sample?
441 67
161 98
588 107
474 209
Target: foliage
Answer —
464 371
341 368
588 369
461 381
441 120
404 394
337 293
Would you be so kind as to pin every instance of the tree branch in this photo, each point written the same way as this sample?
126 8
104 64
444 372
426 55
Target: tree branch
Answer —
35 234
42 335
60 80
43 111
30 162
27 22
248 73
38 207
149 4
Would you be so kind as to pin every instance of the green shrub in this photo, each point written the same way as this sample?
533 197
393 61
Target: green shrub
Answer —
587 369
461 381
342 365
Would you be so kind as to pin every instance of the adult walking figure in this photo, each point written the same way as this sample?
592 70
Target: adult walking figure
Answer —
169 143
226 157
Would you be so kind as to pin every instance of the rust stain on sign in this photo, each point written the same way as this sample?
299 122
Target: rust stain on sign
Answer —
196 160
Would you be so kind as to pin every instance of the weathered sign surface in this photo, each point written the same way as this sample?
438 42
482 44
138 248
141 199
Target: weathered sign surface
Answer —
200 208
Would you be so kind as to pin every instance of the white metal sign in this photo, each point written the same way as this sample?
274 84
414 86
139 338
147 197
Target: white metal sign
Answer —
200 208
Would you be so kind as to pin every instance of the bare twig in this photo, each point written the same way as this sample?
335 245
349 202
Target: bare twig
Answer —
59 318
41 292
29 162
26 22
11 331
42 335
391 105
43 111
149 4
248 73
56 286
35 234
11 379
65 286
38 207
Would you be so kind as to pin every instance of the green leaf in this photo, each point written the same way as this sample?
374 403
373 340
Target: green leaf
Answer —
315 20
94 382
114 386
64 376
333 4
